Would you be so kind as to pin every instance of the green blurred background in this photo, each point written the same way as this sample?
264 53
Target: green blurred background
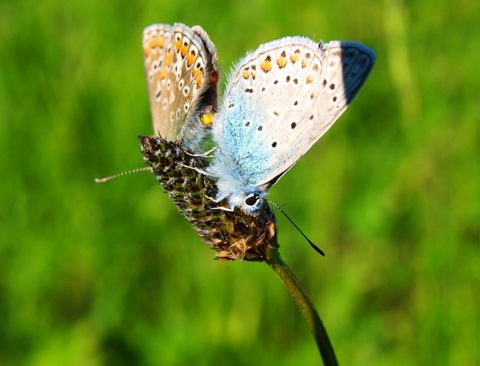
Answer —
111 274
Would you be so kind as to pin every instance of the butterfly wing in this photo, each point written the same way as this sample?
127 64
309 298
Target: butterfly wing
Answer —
281 99
182 74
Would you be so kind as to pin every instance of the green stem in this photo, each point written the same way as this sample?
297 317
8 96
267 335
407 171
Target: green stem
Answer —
275 261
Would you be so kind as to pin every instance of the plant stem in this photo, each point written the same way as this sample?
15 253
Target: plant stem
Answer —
275 261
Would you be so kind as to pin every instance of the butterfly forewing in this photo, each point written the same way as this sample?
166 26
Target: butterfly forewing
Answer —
282 98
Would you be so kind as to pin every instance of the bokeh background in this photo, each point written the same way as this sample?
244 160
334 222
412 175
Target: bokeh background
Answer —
111 274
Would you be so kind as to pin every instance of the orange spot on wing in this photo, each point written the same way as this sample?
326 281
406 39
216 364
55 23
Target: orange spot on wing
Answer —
295 55
199 76
190 59
168 59
245 74
184 50
196 72
177 44
207 119
160 41
281 62
266 64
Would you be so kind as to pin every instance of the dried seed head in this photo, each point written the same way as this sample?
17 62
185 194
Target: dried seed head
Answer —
232 235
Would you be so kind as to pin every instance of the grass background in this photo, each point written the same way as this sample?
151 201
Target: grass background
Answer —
112 274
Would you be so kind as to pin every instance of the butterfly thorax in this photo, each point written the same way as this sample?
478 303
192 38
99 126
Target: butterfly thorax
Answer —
231 186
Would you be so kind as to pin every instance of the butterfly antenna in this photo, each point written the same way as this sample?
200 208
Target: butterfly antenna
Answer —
317 249
103 180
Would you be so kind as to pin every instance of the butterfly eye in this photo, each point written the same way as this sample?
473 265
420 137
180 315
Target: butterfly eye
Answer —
252 199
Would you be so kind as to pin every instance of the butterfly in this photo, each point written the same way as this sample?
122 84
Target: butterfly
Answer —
182 75
279 101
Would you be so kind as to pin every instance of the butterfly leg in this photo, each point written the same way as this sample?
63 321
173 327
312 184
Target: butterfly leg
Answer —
204 155
201 171
217 200
227 209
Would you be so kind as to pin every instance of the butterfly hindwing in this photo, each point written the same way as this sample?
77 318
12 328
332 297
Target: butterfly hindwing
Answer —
181 72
